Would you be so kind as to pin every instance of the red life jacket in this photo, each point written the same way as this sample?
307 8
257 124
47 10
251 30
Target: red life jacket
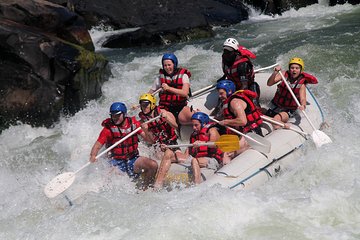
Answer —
252 112
168 99
232 73
127 149
204 151
162 131
246 52
283 97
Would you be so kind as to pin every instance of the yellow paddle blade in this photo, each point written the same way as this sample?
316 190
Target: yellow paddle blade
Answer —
228 143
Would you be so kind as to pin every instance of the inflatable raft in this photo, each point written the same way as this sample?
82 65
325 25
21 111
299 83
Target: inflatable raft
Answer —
253 167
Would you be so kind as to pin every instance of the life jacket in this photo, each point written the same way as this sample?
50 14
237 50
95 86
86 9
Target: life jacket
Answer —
204 151
283 97
127 149
162 131
168 99
232 72
253 114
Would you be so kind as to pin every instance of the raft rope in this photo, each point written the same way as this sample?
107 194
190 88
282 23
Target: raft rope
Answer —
242 182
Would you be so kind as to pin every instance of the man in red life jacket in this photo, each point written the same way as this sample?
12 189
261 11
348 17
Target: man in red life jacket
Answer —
239 111
125 156
161 131
203 156
175 84
283 106
237 67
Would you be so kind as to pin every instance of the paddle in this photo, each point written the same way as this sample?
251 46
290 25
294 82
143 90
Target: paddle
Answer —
265 68
136 106
255 141
268 119
318 136
63 181
210 87
226 143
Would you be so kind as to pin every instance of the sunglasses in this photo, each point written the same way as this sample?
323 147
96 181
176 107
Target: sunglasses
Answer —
144 103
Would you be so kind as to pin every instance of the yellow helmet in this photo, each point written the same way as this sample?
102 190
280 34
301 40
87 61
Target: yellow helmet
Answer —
147 97
298 61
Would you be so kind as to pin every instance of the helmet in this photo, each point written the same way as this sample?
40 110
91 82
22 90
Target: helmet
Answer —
117 108
298 61
170 56
202 117
227 85
231 42
147 97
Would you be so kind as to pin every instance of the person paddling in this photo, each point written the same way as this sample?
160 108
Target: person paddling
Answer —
125 156
175 84
239 111
283 106
203 156
161 132
237 67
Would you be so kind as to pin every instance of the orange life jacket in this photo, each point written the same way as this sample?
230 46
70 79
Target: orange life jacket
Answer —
168 99
283 97
127 149
253 114
204 151
162 131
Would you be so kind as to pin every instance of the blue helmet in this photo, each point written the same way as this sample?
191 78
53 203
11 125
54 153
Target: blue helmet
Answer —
170 56
117 108
227 85
202 117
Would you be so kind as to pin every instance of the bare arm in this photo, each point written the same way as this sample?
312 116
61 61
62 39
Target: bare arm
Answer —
275 76
94 151
302 94
169 117
237 106
146 135
214 135
184 92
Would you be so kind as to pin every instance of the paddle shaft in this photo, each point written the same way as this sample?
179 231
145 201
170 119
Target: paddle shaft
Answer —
268 119
157 91
296 100
154 93
265 68
237 132
117 143
192 144
212 86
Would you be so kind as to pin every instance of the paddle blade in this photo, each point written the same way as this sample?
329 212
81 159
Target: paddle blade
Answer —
258 143
59 184
228 143
320 138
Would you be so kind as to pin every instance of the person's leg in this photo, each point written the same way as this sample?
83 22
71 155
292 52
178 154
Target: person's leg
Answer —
165 164
185 116
195 165
281 117
145 166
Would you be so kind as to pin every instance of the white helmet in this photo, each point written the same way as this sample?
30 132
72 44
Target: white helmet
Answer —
231 42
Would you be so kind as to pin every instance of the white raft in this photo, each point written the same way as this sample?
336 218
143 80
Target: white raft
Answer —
252 168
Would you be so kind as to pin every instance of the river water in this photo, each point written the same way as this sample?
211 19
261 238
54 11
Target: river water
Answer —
316 199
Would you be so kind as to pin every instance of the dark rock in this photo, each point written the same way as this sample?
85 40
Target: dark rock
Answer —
48 17
160 22
41 74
